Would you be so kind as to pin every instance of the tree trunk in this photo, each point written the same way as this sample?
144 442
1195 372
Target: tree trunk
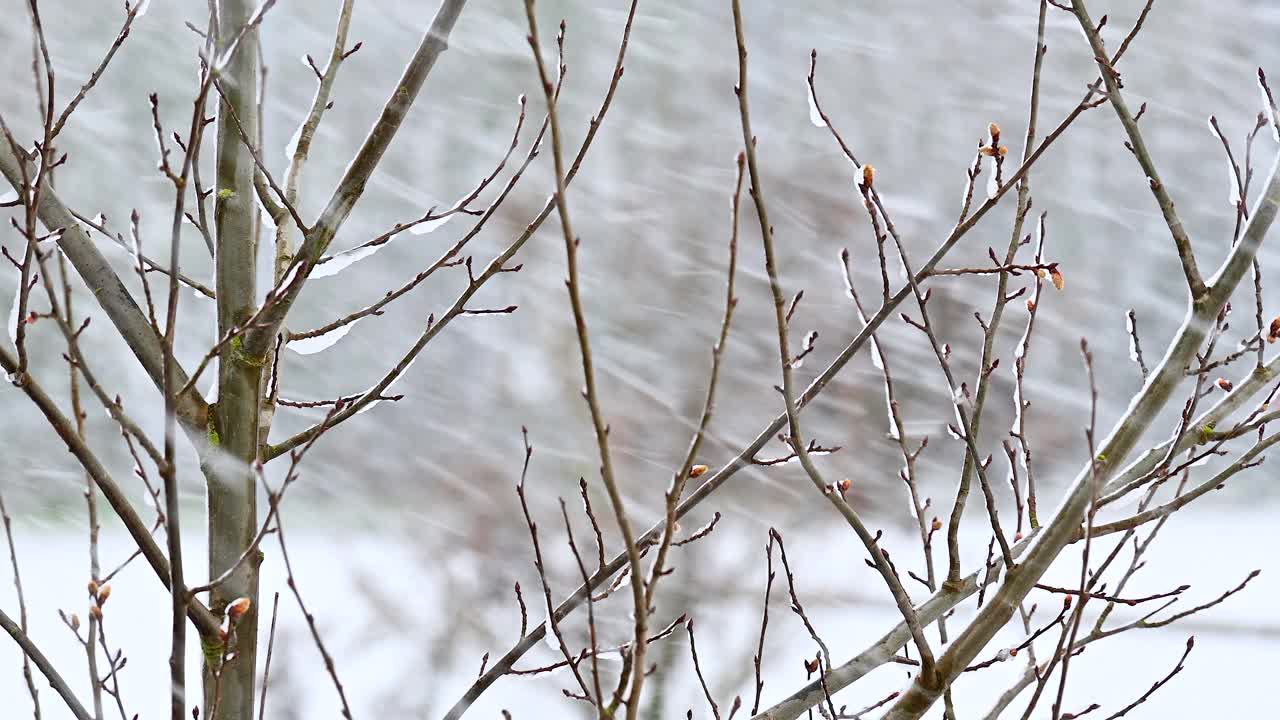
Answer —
229 467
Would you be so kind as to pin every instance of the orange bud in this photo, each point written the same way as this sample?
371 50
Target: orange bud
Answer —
1031 305
95 611
845 484
994 129
1225 384
1017 537
1274 333
811 665
697 471
104 592
93 587
937 524
1004 150
1056 277
868 175
986 151
1013 652
237 608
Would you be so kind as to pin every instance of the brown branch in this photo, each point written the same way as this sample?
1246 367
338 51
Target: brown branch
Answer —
1111 78
571 241
434 42
22 606
42 663
795 439
1191 643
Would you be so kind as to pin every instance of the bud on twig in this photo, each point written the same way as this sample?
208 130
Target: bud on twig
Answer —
697 471
238 608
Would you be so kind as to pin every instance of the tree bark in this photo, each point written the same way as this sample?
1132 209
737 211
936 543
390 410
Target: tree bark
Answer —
229 467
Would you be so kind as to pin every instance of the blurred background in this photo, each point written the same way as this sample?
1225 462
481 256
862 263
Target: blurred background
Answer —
406 527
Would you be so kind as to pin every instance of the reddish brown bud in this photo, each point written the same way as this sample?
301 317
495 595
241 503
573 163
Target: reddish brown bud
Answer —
697 471
1013 652
1017 537
811 666
1056 277
1274 333
104 592
845 484
1031 305
1225 384
238 608
1066 602
95 611
93 588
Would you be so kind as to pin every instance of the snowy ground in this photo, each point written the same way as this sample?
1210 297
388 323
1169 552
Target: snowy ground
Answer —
1236 643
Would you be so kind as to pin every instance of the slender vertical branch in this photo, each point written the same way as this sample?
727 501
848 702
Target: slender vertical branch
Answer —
687 468
571 241
22 606
286 230
90 491
796 439
1001 300
266 666
179 595
1090 515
